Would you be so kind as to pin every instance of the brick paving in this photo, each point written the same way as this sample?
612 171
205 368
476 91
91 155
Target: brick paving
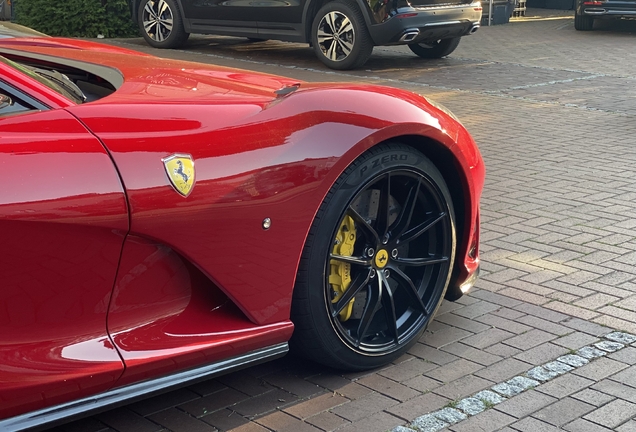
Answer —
554 112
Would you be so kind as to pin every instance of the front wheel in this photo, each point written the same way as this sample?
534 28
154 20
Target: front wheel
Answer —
435 49
340 36
161 23
377 261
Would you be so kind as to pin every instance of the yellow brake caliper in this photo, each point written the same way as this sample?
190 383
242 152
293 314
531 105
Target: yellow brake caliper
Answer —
340 273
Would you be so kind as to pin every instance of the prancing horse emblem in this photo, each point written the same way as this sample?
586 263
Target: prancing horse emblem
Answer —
180 170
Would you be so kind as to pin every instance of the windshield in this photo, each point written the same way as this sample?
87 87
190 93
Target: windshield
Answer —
54 80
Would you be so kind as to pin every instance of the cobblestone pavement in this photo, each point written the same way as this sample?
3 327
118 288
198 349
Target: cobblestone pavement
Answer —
554 111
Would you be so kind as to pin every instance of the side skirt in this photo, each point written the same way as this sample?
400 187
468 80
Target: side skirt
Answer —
144 389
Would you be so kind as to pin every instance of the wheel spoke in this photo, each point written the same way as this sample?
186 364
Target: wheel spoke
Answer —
150 11
382 222
346 47
370 309
148 26
361 223
420 261
159 33
167 24
357 284
345 26
420 229
351 259
324 37
404 218
332 52
409 289
163 6
389 308
330 19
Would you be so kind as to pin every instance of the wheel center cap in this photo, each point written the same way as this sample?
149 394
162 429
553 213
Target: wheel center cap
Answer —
381 258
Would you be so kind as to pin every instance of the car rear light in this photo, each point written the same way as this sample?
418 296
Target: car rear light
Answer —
406 15
478 9
593 3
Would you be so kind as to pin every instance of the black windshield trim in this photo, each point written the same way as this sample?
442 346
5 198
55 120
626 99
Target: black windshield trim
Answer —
36 104
113 76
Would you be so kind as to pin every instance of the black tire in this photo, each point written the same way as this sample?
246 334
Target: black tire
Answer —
582 22
398 204
336 43
436 49
161 23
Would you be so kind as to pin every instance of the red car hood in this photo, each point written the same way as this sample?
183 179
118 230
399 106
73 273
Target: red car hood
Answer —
150 79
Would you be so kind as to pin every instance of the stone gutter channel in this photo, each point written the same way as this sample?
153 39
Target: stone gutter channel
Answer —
455 412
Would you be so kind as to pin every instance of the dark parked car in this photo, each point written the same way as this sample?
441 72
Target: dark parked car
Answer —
588 10
342 32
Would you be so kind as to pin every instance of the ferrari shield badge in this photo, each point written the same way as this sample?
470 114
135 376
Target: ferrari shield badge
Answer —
180 170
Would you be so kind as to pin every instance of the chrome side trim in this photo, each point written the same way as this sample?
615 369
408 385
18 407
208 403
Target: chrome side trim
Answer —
447 6
136 391
445 23
605 11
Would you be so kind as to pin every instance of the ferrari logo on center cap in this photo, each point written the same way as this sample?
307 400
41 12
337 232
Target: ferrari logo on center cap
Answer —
180 170
381 258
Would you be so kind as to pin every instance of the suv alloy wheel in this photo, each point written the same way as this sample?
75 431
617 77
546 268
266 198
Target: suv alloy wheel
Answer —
340 37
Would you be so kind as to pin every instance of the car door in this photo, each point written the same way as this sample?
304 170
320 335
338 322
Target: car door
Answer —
232 17
281 19
268 19
63 219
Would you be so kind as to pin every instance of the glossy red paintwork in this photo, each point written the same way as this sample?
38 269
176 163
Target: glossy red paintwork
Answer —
199 278
166 315
63 218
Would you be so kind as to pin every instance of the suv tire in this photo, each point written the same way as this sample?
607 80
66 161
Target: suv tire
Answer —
582 22
340 36
437 49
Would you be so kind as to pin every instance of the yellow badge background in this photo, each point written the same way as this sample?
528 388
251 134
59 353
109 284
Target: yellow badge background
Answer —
178 167
381 258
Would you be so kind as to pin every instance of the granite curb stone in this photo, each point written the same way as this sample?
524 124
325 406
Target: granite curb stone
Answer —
485 399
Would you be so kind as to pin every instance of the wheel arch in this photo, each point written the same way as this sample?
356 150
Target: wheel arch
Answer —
312 7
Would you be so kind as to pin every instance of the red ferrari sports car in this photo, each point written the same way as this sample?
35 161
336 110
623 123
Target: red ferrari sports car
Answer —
166 221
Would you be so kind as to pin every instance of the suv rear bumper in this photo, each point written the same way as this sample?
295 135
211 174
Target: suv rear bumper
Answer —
609 9
422 24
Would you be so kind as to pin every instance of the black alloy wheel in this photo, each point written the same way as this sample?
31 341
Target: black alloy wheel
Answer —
340 37
161 23
377 261
435 49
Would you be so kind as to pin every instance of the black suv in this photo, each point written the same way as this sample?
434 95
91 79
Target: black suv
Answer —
588 10
342 32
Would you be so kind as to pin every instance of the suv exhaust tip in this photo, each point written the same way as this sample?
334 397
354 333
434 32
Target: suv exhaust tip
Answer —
474 28
409 35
